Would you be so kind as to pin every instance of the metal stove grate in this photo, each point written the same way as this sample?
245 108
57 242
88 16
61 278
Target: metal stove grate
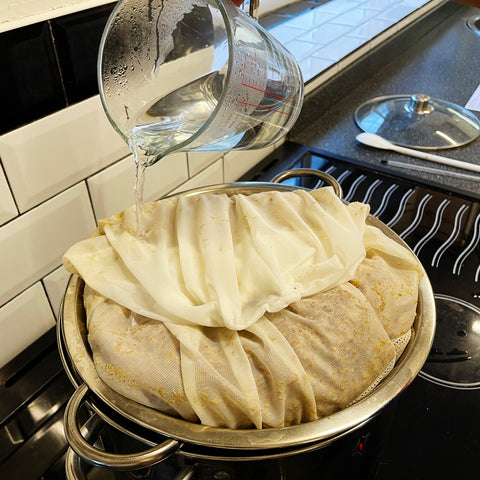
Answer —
436 225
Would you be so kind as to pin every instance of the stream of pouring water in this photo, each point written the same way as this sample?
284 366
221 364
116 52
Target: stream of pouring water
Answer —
167 124
142 161
140 167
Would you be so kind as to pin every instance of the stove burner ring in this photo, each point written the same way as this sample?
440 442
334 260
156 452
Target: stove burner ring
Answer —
454 360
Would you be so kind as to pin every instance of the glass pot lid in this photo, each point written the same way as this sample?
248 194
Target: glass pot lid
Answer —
418 121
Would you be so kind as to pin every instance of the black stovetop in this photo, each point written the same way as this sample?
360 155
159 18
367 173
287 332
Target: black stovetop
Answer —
435 432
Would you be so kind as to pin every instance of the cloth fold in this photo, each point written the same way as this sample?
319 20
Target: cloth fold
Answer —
215 260
258 311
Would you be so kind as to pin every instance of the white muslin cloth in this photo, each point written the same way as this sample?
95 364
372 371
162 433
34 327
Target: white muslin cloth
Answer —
262 310
221 261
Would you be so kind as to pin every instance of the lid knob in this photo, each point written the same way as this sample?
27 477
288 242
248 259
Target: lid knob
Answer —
420 103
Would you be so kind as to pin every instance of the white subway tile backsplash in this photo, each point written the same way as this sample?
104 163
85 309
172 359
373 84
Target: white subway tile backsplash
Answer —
8 210
311 65
112 189
395 13
47 156
413 3
55 285
32 245
23 320
369 29
299 49
212 175
380 4
310 19
197 161
18 13
284 31
266 6
324 34
336 50
165 176
340 6
237 163
354 17
313 32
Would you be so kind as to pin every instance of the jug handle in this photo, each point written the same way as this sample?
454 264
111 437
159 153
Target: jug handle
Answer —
100 458
310 172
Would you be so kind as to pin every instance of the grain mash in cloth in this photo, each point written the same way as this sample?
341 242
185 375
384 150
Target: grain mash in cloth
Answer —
261 310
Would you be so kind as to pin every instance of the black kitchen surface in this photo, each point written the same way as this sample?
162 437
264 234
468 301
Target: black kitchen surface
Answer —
434 433
30 84
34 390
49 65
77 40
434 430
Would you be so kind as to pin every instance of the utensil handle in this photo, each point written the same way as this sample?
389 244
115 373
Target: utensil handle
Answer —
438 159
436 171
310 172
100 458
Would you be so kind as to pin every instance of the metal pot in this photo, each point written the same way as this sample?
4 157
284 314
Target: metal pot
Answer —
167 435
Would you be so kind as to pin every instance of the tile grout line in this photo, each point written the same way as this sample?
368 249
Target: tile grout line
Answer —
57 61
11 194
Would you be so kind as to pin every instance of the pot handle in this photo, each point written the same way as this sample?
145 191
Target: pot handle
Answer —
100 458
310 172
74 466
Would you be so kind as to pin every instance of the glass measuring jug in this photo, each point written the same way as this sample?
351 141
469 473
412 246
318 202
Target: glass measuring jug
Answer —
195 75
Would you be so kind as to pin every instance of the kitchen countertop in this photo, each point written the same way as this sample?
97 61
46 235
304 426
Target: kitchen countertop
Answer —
438 55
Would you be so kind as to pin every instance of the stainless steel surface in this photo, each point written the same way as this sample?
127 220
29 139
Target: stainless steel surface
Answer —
253 443
420 103
73 463
308 172
98 457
